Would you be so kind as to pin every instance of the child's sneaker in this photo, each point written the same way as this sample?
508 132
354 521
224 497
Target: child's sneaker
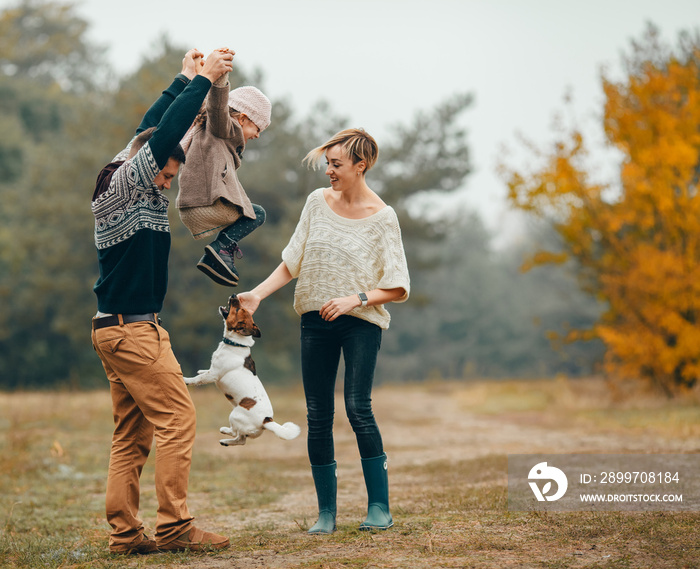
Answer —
224 256
217 272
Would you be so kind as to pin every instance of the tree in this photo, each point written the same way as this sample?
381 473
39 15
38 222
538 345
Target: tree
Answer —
636 242
483 318
47 159
59 134
46 41
62 137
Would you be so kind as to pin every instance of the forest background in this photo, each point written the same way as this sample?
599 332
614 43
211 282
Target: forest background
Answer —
474 311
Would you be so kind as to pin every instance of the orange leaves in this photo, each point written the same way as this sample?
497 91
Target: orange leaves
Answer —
556 188
544 257
641 252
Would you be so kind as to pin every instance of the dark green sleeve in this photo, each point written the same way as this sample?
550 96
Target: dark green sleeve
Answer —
177 119
158 108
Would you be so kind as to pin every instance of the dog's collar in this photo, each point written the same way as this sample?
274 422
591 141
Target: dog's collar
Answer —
232 343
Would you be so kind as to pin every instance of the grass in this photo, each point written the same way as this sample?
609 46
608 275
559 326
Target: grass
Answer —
448 445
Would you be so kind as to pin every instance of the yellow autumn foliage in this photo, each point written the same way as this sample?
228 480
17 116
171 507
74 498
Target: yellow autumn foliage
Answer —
636 240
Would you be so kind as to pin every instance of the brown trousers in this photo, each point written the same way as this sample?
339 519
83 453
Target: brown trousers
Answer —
149 397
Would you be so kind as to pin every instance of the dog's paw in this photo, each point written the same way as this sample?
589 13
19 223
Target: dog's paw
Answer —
202 378
226 431
233 442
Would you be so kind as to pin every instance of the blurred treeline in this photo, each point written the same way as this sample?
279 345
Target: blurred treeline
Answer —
64 114
634 239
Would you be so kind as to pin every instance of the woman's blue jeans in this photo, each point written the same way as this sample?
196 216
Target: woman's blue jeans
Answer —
321 344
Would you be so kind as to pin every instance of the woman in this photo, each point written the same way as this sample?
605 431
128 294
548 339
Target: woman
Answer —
347 256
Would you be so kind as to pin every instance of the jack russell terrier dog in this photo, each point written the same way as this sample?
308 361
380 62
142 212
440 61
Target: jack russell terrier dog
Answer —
233 370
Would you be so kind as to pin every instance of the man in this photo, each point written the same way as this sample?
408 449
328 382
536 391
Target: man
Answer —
149 396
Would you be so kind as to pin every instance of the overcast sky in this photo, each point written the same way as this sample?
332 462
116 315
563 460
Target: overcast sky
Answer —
379 61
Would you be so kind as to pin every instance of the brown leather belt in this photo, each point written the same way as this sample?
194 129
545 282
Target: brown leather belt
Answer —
113 320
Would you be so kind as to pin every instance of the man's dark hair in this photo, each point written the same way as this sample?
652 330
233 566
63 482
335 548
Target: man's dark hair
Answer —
177 154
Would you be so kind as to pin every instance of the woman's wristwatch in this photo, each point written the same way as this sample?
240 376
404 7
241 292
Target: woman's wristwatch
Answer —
363 298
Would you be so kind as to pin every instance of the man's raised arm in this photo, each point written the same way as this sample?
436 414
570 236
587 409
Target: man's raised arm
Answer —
182 111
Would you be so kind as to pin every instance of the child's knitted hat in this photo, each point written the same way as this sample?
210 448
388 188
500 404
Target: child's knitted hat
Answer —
252 102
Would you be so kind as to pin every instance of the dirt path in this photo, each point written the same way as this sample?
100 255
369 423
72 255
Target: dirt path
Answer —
420 426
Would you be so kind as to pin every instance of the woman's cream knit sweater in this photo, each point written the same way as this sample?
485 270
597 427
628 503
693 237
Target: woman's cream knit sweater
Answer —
333 256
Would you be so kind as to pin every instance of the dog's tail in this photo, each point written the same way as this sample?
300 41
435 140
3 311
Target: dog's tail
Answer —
288 431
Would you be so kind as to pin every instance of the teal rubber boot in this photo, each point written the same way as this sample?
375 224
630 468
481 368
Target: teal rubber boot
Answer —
326 482
377 482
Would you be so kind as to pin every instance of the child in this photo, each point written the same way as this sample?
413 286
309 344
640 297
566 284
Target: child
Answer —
211 199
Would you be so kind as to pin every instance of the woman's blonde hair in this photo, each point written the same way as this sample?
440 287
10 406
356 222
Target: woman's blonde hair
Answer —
356 144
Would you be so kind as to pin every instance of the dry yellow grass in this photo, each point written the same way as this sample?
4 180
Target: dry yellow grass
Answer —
447 443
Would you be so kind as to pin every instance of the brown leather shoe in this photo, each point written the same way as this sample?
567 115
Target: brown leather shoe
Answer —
143 547
196 540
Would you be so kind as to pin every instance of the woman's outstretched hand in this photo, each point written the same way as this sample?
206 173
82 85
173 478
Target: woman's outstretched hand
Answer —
249 301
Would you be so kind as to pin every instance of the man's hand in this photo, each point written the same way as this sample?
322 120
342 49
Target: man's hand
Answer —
219 62
192 63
